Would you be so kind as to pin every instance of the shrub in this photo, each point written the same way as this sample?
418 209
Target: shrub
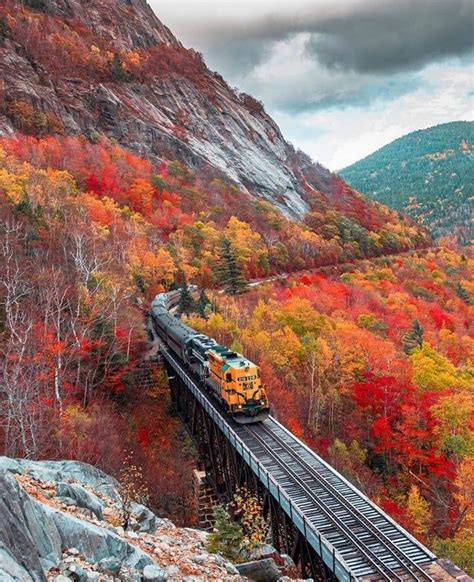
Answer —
227 537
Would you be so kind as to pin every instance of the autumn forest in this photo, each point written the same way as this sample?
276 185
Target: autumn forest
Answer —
362 324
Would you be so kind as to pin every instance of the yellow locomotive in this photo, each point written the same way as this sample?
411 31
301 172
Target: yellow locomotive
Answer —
237 382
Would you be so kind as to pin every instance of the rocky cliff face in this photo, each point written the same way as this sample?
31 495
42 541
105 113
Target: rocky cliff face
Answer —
110 67
62 521
66 521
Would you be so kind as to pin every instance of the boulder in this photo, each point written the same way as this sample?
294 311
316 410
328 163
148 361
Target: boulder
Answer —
11 570
77 573
261 551
23 539
110 566
144 517
81 497
94 542
58 471
260 570
231 569
154 574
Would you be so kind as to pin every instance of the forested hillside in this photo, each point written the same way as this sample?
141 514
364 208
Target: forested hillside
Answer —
374 369
88 234
128 168
111 68
428 174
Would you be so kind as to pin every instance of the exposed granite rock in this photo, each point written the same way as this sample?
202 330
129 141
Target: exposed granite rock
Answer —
110 565
217 127
60 471
42 538
154 574
19 548
146 520
81 497
264 570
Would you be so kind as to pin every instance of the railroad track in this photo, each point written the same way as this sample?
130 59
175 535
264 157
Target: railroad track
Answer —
371 544
364 543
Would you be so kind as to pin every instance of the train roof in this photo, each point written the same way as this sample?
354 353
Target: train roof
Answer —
179 330
232 359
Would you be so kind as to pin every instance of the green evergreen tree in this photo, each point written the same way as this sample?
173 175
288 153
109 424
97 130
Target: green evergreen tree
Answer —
203 304
228 271
414 338
463 294
186 302
227 536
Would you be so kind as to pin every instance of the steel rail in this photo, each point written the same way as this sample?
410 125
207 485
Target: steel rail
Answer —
324 547
374 561
404 560
327 552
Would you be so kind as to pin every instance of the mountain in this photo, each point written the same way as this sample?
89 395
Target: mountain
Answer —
111 68
428 174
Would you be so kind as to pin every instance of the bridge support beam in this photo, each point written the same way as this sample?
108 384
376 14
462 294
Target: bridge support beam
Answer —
205 499
226 471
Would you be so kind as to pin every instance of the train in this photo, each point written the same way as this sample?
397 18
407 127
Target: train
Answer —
231 377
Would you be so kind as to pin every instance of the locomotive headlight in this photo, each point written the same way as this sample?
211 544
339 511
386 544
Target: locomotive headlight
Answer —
240 406
262 401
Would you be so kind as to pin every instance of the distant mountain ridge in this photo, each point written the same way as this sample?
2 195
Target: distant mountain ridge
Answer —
429 174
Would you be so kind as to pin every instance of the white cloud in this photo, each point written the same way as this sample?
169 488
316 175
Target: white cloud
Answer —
338 137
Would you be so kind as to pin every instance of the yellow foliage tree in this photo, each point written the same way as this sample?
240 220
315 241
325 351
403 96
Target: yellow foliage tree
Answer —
151 267
433 371
419 511
285 348
455 414
248 245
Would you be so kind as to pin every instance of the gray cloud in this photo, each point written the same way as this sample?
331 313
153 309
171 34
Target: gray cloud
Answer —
384 37
354 51
360 35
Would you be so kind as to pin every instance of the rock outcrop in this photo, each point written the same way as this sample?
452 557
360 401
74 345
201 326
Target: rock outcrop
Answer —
63 521
190 114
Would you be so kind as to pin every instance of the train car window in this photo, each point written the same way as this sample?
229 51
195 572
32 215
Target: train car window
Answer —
228 377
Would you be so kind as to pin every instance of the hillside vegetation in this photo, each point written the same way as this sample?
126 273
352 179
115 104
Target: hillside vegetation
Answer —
429 174
140 169
374 369
88 234
110 68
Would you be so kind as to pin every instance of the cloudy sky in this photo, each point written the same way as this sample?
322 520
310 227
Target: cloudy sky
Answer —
341 77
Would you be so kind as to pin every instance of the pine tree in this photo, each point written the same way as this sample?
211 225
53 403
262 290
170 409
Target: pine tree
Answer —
227 536
463 294
203 304
186 302
414 338
229 272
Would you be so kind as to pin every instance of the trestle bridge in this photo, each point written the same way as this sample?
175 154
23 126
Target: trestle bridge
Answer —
330 529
